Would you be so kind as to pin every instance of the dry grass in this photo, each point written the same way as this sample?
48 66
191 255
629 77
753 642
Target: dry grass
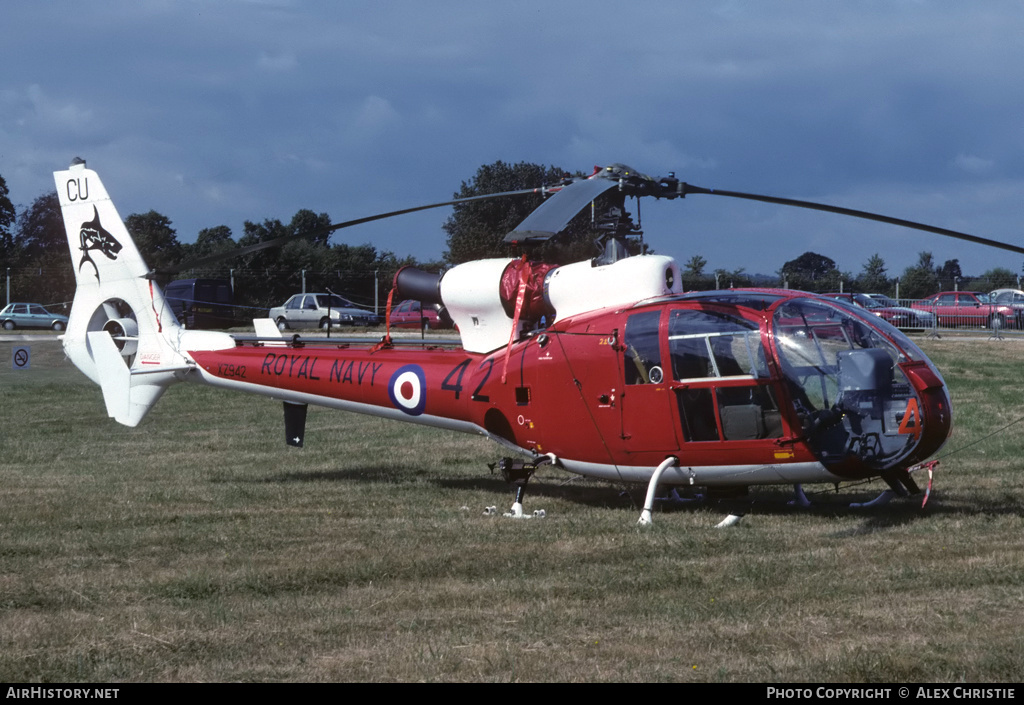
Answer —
199 548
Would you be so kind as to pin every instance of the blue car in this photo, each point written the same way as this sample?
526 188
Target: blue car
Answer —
31 316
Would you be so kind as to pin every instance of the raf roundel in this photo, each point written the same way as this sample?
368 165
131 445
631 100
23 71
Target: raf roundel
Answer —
407 389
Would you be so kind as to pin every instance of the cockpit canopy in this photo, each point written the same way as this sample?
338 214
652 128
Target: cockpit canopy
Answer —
731 354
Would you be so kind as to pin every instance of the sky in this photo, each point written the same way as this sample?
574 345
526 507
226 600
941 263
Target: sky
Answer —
214 112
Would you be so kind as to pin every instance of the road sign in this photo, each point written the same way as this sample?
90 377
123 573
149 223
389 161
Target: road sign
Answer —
21 358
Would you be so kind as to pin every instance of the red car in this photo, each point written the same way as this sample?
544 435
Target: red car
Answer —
410 314
966 308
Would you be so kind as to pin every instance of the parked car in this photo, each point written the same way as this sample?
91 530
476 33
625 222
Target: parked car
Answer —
883 299
411 314
315 310
967 308
201 303
31 316
890 311
1014 298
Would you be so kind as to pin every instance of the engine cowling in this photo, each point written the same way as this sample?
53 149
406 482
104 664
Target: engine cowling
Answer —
480 296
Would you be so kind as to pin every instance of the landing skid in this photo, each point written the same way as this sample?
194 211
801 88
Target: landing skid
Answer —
900 485
515 513
518 473
800 500
646 517
879 501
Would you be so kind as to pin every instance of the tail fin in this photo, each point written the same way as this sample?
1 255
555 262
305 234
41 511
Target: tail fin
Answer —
120 327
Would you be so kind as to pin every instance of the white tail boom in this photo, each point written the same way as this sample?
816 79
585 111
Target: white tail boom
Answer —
121 333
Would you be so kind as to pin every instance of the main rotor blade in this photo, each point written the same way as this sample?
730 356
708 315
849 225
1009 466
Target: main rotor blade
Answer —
280 241
556 212
687 189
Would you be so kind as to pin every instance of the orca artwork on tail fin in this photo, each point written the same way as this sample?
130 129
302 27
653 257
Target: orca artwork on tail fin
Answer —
94 236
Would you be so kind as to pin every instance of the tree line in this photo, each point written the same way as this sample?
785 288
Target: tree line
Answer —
818 273
814 272
33 252
34 256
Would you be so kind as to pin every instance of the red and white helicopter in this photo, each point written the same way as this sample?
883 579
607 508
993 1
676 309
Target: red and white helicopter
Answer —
603 368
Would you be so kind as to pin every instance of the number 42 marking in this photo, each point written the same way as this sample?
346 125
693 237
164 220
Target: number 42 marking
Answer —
453 382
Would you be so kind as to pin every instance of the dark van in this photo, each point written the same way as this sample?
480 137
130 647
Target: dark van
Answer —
201 303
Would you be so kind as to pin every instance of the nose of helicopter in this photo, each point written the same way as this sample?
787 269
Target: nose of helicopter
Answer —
856 441
932 419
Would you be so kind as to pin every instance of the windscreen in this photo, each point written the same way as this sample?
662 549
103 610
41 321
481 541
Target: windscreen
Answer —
847 388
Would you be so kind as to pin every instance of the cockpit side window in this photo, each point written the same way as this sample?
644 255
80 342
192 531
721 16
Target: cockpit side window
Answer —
707 345
712 344
642 363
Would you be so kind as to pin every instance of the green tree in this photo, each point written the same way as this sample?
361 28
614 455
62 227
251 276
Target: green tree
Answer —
920 280
812 272
267 277
7 217
727 279
872 277
363 274
210 241
949 274
306 221
41 268
41 227
997 278
694 267
155 238
310 256
693 275
261 279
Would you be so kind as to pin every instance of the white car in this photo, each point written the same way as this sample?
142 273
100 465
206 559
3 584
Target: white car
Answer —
315 310
31 316
1014 298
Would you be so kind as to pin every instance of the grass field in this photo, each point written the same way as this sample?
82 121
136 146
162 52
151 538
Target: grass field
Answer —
198 547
